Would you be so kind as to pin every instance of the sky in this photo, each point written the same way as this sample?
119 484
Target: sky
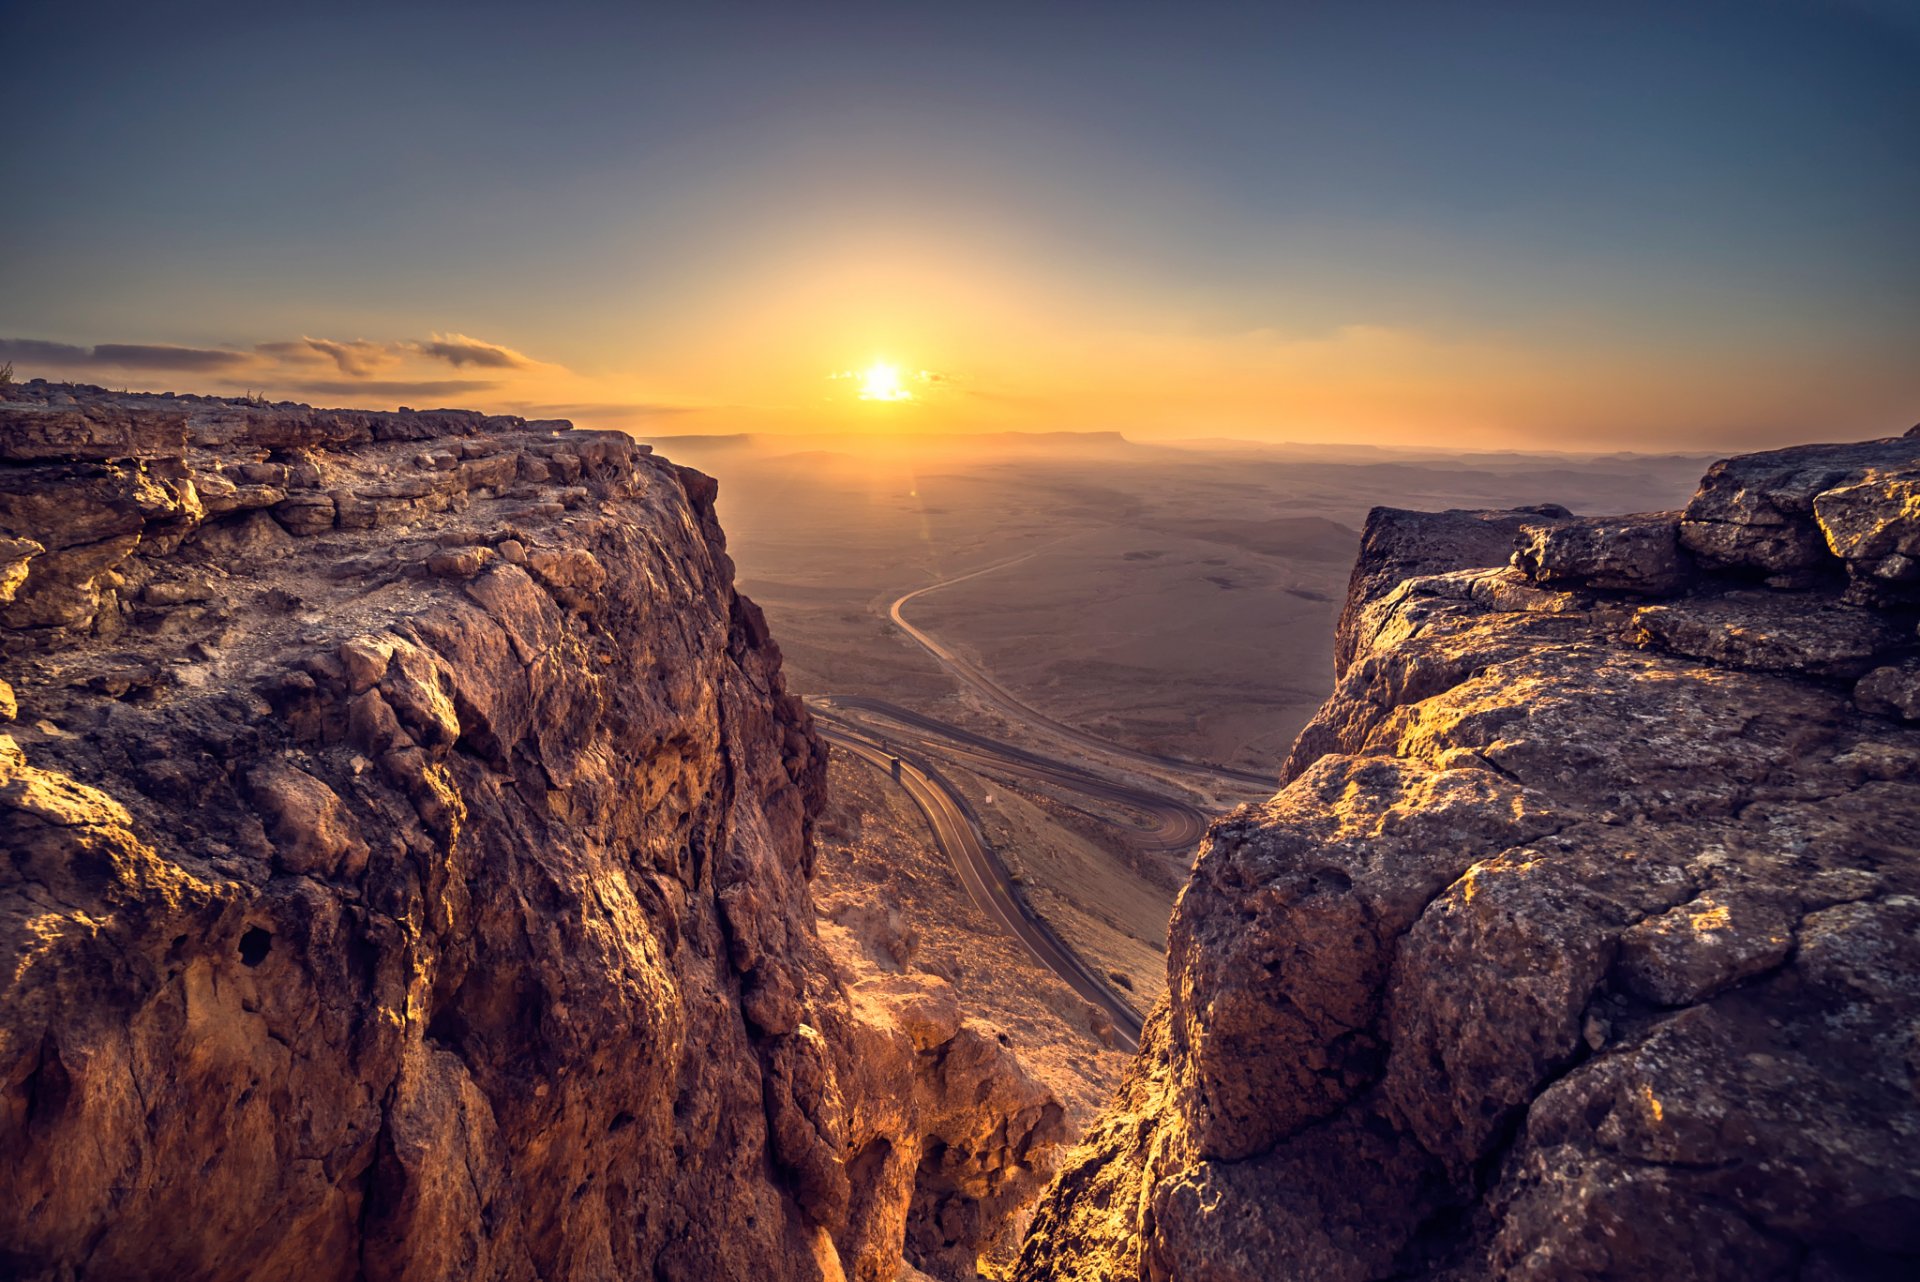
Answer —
1638 226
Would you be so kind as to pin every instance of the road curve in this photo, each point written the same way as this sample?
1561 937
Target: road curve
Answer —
959 837
1174 824
984 686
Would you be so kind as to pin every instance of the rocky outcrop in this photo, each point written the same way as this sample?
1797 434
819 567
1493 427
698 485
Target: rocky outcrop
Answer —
407 845
978 1131
1583 938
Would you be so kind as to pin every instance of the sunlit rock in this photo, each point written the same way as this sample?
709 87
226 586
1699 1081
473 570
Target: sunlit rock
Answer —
406 876
1581 940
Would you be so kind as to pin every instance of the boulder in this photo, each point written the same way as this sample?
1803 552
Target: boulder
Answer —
1892 691
1639 554
1762 514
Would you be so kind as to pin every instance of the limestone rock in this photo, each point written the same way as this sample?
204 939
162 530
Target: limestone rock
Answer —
14 557
1583 939
305 819
1771 632
1892 691
1628 554
1812 509
1690 952
459 563
1397 545
1874 525
360 922
306 514
32 432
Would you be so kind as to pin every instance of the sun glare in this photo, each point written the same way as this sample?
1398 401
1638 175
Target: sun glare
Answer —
881 382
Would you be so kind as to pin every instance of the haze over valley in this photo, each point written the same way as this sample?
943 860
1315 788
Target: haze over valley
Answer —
1169 600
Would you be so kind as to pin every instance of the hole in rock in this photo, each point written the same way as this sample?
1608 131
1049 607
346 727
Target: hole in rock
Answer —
254 946
447 1029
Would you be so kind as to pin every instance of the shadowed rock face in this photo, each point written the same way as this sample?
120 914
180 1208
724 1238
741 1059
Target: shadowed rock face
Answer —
407 846
1583 940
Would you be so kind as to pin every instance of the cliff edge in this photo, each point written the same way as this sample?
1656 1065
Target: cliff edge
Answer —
407 838
1583 938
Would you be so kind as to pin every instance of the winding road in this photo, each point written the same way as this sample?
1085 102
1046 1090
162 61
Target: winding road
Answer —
1154 818
993 693
1172 824
960 838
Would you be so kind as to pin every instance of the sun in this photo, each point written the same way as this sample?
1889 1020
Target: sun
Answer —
881 382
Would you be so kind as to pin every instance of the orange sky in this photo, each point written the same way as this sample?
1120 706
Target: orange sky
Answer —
1631 226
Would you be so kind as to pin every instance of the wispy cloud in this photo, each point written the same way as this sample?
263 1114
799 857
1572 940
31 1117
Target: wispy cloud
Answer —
37 349
459 351
356 358
289 360
140 356
444 368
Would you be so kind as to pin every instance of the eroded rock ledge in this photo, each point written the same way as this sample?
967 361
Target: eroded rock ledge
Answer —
407 844
1583 939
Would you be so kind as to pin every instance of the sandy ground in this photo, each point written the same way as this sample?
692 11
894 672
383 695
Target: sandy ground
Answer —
1179 600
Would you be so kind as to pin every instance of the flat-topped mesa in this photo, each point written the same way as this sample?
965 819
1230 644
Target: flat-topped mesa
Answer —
1583 938
405 837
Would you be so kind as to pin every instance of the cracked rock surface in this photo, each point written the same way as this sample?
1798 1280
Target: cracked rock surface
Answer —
1583 939
406 842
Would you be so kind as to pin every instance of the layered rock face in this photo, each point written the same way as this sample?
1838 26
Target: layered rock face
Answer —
407 847
1583 938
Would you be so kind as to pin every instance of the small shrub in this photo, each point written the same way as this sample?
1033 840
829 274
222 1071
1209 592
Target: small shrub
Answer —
6 374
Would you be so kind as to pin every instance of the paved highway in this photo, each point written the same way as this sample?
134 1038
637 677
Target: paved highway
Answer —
984 686
1172 823
985 878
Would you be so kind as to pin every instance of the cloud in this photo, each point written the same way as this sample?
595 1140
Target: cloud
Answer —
36 349
359 371
145 356
356 359
460 351
395 387
161 356
296 352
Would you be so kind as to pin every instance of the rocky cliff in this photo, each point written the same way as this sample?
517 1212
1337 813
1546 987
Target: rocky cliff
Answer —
407 846
1583 938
